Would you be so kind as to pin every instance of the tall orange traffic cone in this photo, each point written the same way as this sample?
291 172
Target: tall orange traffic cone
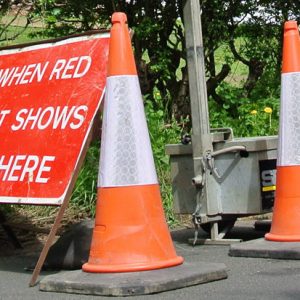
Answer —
286 216
130 231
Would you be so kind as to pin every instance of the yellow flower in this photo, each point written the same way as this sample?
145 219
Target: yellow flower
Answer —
268 110
253 112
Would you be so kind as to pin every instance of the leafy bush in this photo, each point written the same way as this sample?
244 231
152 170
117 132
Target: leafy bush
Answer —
85 192
160 135
253 117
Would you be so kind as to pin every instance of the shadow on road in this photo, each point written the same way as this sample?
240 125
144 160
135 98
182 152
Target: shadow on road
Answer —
244 230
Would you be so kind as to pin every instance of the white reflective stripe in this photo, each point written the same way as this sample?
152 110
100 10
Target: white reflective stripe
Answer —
126 155
289 129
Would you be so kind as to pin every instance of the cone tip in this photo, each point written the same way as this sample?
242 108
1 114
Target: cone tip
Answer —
121 60
290 25
118 17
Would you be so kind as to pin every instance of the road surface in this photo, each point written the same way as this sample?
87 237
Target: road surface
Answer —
248 278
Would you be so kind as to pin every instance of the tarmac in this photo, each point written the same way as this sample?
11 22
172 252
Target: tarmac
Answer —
248 278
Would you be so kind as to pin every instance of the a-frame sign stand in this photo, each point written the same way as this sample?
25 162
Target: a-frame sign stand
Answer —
50 95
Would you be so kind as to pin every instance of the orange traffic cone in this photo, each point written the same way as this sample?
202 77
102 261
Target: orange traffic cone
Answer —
130 231
286 217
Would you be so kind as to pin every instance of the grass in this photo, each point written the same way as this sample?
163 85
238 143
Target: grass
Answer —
239 71
31 34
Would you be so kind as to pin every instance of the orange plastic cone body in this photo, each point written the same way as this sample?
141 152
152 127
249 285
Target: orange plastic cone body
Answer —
121 60
291 48
286 216
130 232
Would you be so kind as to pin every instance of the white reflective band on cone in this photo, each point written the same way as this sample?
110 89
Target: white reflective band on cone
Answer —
289 135
126 155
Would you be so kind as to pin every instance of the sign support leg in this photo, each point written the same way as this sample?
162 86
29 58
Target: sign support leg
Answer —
48 243
62 209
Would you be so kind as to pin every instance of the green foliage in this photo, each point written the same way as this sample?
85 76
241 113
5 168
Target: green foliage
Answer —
157 32
160 135
254 117
85 192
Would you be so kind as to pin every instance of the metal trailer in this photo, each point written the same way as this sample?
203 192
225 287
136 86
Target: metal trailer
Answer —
217 178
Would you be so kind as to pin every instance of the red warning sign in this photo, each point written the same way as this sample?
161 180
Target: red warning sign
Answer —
49 95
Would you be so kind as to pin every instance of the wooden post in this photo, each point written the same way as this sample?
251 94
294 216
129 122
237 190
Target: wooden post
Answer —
201 138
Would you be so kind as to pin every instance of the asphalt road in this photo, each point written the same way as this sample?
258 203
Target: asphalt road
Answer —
248 278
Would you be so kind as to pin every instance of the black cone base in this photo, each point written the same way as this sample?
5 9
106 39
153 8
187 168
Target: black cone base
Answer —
134 283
